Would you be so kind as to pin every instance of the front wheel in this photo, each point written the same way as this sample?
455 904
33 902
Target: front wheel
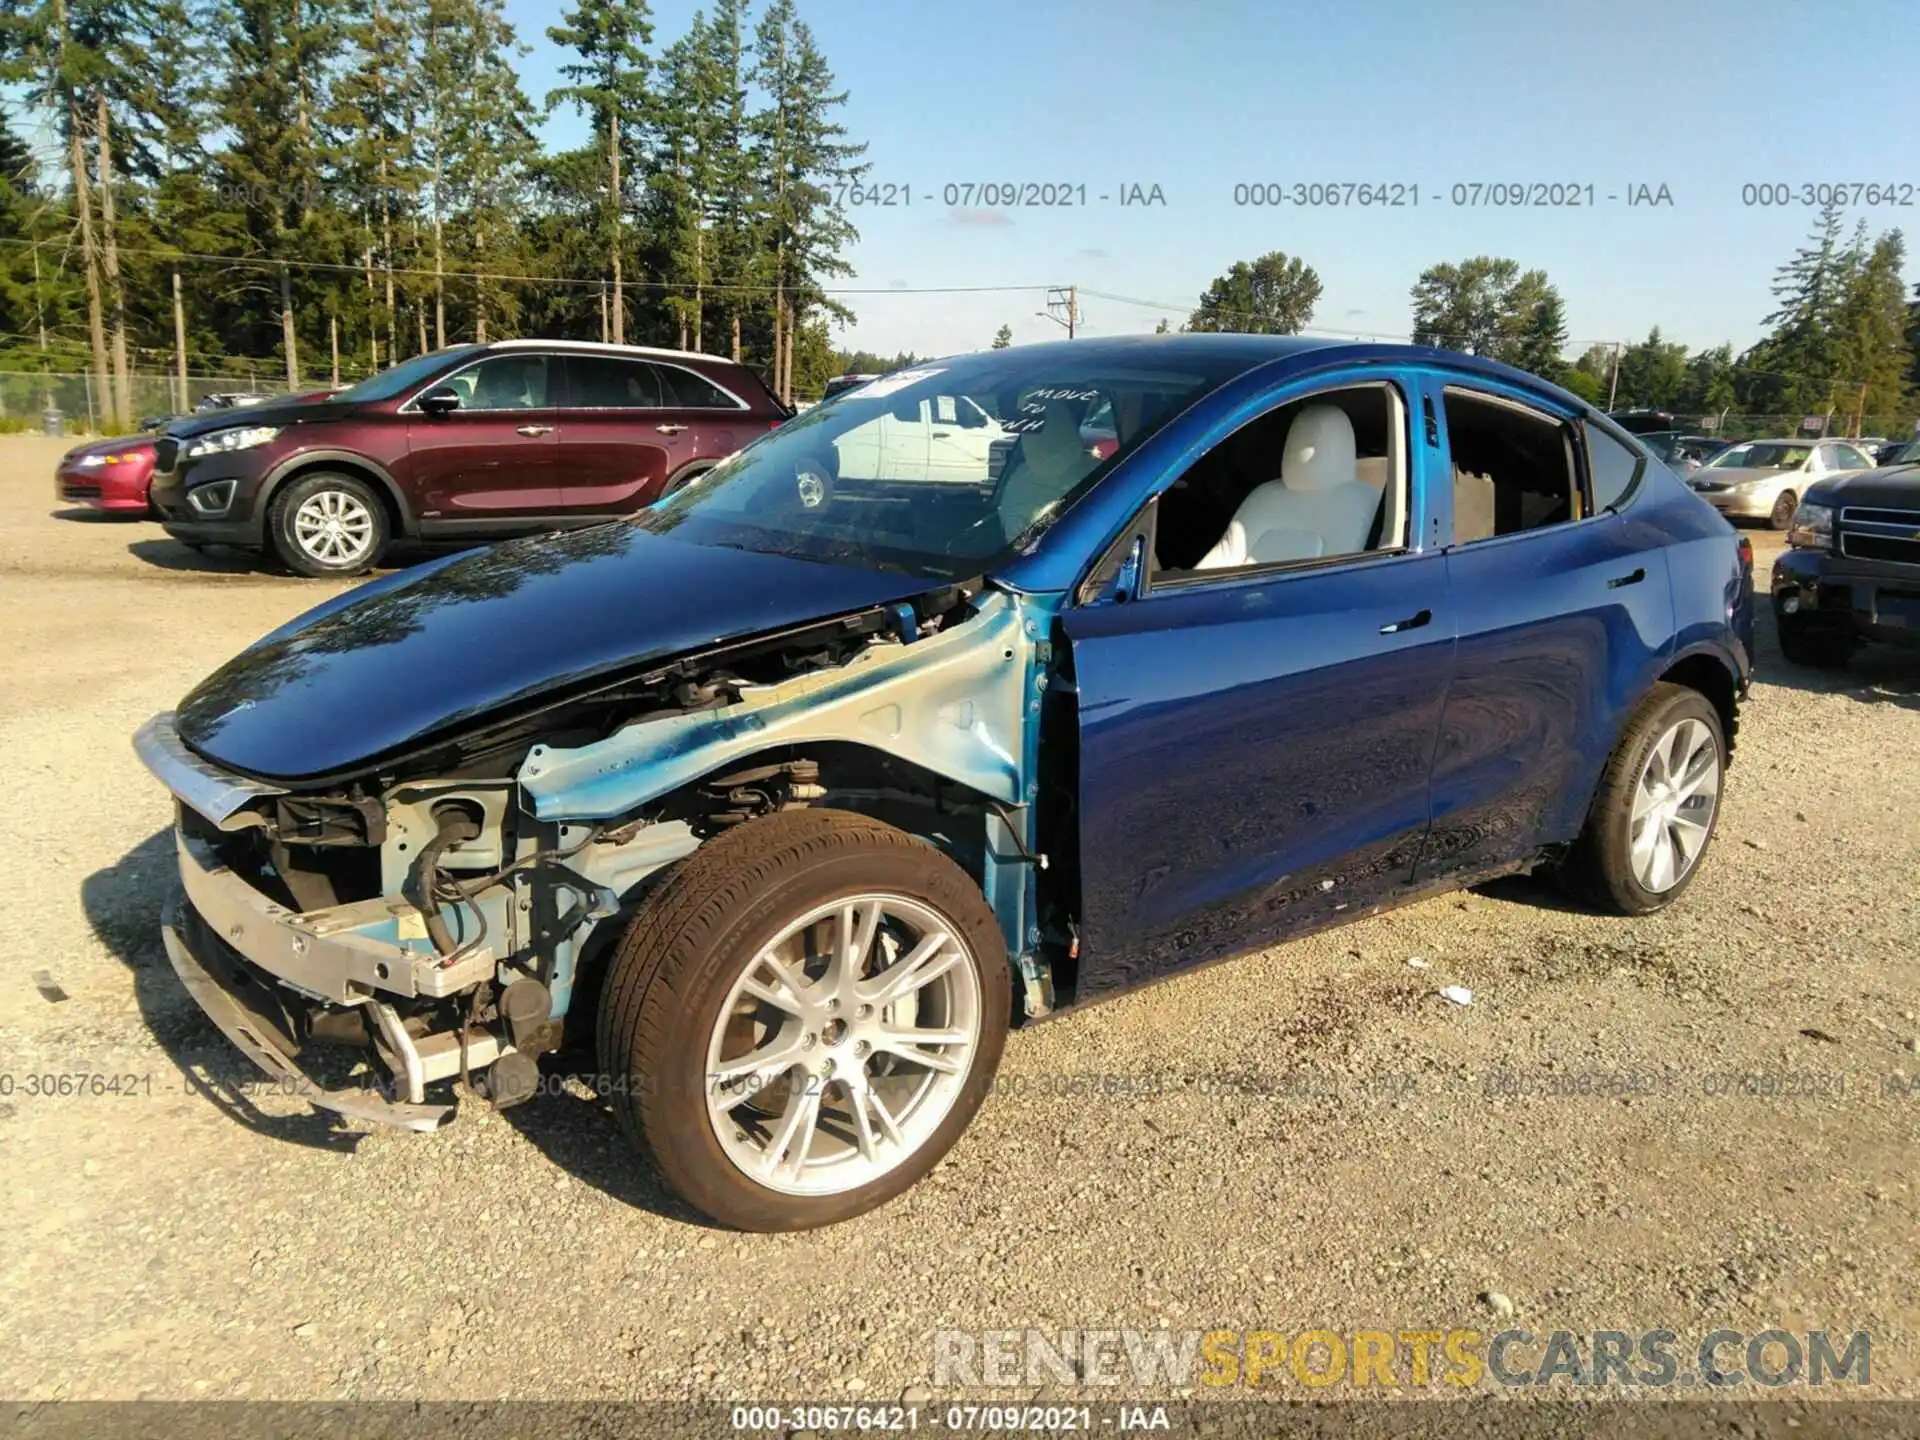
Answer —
1654 812
327 524
1818 647
801 1021
1783 508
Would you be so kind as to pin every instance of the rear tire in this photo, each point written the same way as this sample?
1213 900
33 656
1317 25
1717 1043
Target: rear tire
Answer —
1783 509
756 960
1654 812
327 524
1818 647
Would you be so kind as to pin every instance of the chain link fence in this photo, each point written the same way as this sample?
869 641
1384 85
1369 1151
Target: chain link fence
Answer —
37 401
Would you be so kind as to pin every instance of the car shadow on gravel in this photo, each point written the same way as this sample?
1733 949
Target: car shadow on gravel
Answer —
1876 675
165 553
87 515
123 904
573 1127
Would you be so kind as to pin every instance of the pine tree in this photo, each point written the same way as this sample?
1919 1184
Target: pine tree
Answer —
1003 337
737 219
1872 357
804 155
1808 289
375 99
495 149
682 177
609 82
1538 319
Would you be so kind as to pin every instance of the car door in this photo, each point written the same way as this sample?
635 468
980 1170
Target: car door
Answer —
494 459
858 452
904 441
1253 747
960 436
625 435
1563 614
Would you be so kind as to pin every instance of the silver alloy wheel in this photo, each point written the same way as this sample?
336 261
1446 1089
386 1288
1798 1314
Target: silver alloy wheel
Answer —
843 1045
334 527
1673 805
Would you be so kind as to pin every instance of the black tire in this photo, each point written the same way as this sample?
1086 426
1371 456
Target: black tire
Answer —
352 492
677 964
676 483
1818 647
1783 509
1599 867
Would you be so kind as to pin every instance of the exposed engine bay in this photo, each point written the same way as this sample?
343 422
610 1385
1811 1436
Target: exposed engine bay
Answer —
438 910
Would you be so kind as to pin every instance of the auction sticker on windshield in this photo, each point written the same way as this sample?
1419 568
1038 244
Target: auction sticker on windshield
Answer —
899 380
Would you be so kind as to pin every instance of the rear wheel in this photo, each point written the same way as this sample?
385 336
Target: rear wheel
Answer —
1654 812
327 524
1783 509
803 1018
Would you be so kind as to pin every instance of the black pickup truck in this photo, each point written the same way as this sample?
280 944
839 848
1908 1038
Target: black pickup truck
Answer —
1852 573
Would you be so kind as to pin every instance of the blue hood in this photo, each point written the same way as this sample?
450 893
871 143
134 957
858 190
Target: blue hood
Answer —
427 650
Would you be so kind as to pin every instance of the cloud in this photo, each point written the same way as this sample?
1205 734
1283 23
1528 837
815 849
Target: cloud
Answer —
897 285
1354 314
957 216
1091 253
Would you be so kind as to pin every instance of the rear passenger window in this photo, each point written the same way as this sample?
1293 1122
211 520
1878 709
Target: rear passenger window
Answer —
1512 468
601 382
1613 468
693 392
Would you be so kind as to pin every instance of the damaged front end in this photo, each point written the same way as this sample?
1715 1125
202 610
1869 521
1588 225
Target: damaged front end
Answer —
434 914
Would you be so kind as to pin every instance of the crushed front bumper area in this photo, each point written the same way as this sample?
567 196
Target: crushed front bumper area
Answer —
231 994
271 978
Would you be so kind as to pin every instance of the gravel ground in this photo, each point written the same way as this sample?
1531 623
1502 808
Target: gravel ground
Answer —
191 1240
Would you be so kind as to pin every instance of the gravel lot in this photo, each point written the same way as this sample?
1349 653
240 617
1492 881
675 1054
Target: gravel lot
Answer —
189 1240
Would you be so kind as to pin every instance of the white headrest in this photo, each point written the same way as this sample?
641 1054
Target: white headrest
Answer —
1319 453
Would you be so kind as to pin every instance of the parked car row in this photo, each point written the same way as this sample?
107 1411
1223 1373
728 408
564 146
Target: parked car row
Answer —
799 788
1764 479
471 442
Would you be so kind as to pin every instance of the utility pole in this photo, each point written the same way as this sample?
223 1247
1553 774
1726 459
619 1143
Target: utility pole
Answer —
1613 386
1066 298
180 344
333 337
287 338
604 332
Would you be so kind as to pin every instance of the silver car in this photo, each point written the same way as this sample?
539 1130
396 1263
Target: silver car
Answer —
1764 479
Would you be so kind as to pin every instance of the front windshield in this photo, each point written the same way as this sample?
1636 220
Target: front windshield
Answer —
1764 456
947 469
404 376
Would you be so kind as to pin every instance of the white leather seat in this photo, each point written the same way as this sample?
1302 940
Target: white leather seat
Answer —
1318 506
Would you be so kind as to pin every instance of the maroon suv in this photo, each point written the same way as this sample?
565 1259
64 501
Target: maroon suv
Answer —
473 442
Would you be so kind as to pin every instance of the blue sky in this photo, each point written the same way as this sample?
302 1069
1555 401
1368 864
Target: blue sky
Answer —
1702 96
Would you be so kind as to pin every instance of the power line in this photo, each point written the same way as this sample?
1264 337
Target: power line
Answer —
687 286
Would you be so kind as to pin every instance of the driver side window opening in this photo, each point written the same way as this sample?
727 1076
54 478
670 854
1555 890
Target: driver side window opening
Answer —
1513 468
1320 478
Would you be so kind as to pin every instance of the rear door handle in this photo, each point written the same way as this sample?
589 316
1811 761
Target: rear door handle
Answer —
1618 581
1412 622
534 429
669 429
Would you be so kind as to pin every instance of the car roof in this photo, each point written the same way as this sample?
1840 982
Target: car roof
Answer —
1257 350
602 347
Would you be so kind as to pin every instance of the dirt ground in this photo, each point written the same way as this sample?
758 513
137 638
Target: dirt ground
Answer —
1307 1138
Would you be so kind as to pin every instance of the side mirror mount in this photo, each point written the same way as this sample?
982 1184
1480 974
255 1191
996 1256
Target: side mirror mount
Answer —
1119 579
441 400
